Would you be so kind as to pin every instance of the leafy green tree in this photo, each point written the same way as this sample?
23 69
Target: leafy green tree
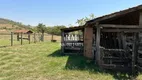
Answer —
41 28
82 21
55 30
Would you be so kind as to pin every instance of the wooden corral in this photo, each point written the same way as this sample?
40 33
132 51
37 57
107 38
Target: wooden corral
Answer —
72 42
114 41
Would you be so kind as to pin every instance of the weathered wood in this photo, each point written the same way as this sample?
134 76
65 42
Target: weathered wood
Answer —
140 19
123 40
123 30
17 36
29 38
98 45
118 26
62 42
34 37
134 53
21 38
11 38
119 40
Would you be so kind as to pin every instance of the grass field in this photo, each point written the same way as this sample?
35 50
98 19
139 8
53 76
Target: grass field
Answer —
43 61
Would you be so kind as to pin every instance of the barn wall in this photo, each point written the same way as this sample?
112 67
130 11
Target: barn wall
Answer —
88 41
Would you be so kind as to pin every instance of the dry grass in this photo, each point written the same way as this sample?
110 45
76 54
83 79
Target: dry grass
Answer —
43 61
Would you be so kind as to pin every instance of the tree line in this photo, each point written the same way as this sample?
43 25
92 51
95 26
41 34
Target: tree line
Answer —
56 30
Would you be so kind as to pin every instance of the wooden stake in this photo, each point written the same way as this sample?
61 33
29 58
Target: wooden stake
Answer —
21 38
34 38
29 38
11 38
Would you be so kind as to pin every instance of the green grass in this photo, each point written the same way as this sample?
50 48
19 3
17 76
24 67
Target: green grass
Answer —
43 61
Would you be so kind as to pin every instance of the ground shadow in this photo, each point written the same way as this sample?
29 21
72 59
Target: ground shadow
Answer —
57 53
76 62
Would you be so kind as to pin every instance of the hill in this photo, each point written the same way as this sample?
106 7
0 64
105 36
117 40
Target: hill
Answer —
10 25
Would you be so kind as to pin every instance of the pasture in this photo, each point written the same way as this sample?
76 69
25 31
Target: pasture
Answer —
43 61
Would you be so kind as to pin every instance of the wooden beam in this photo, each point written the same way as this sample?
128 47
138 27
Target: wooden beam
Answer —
140 19
123 30
97 56
119 40
62 42
118 26
134 53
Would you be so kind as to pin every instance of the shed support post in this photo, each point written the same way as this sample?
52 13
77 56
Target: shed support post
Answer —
98 45
134 53
140 19
62 42
88 42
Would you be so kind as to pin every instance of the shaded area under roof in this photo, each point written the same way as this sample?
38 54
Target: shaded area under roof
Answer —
127 17
71 29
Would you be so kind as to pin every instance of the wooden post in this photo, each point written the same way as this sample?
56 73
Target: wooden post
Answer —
123 36
62 42
88 42
21 38
11 38
134 53
42 37
119 40
29 38
98 45
140 19
52 37
34 38
17 36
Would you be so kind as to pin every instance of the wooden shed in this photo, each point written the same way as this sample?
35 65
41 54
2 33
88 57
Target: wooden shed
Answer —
23 31
114 41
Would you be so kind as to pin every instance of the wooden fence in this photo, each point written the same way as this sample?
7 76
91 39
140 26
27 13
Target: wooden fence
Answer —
12 39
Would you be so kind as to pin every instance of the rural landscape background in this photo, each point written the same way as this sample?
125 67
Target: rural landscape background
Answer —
43 60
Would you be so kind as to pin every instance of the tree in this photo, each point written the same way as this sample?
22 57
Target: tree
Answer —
82 21
41 28
55 30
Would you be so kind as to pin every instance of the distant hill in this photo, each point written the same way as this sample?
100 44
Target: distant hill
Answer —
10 25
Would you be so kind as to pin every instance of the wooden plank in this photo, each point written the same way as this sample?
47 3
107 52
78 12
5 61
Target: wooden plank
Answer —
140 51
123 30
118 26
98 45
116 67
134 53
119 40
139 68
140 19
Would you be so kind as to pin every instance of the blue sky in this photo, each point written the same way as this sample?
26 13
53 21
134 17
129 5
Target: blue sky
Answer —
59 12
